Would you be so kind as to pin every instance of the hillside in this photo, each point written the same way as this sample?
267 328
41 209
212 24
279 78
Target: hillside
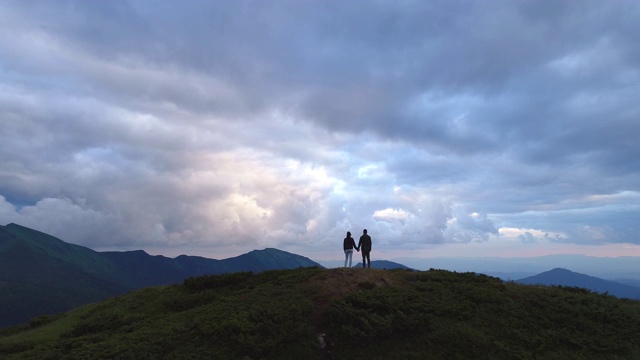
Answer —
341 314
36 275
566 277
41 274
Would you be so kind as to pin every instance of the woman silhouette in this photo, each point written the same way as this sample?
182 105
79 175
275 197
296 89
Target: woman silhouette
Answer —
348 245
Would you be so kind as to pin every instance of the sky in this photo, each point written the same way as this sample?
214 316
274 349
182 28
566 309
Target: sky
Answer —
212 128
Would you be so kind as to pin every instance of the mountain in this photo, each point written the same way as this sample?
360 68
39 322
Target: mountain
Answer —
267 259
340 313
384 265
566 277
622 267
41 274
630 282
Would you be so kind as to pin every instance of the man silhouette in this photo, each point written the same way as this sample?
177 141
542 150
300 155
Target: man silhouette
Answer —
364 244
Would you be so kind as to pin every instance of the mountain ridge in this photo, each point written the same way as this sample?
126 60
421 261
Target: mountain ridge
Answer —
384 265
512 268
41 274
565 277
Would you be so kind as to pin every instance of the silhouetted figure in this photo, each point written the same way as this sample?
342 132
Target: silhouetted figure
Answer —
364 244
348 245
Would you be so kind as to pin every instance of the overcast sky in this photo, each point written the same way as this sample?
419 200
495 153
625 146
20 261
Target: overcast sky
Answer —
212 128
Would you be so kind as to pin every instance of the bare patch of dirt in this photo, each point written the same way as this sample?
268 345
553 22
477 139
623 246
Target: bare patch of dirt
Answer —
340 282
336 283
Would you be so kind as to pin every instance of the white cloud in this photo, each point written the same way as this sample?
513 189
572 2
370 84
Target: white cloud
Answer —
63 218
531 235
390 215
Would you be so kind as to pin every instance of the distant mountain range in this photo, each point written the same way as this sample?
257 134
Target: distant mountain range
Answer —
620 269
566 277
41 274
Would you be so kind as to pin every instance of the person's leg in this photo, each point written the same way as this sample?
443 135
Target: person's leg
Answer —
348 254
364 259
368 260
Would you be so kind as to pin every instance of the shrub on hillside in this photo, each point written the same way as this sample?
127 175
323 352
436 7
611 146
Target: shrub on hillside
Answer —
216 281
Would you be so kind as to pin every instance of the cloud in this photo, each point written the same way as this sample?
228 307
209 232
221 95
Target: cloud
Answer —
467 227
215 128
529 236
61 217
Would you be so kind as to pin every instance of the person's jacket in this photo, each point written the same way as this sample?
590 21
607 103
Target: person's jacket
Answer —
364 244
348 243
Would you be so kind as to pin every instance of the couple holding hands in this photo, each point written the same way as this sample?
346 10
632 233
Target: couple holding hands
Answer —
364 244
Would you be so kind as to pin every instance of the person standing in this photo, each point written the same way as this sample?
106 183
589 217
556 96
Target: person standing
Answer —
348 245
364 244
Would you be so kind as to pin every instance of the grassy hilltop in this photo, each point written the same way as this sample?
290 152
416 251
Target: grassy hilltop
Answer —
363 314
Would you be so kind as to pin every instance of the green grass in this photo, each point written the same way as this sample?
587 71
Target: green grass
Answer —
365 314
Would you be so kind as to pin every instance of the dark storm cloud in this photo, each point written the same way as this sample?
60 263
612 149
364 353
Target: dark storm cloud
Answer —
286 122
